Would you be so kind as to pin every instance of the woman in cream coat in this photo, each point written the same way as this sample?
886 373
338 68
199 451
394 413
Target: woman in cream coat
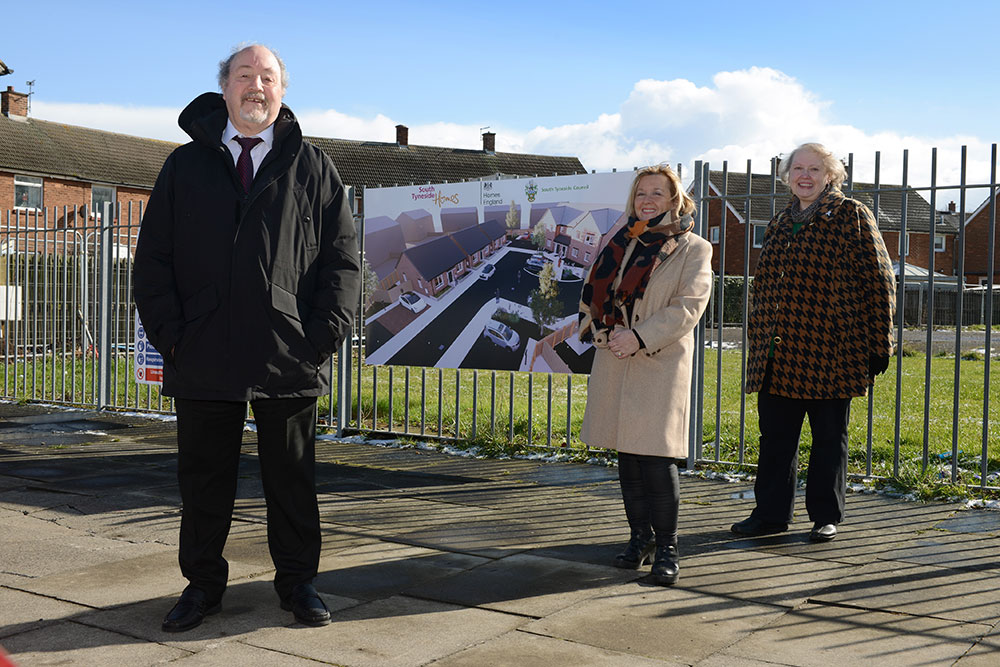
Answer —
646 293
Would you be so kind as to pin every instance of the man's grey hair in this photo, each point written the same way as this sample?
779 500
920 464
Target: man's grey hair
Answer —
226 63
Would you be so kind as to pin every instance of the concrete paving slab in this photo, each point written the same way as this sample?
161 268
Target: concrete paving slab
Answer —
985 653
23 612
525 584
921 590
32 548
820 636
381 569
31 498
972 521
720 660
72 644
123 581
124 517
759 576
394 632
248 607
525 649
959 551
237 653
669 624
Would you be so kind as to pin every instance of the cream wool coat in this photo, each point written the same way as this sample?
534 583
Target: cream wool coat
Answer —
641 404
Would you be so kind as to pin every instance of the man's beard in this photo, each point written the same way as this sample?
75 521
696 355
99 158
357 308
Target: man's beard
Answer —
255 115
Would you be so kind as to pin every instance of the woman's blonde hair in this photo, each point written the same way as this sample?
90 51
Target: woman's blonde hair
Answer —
834 167
684 205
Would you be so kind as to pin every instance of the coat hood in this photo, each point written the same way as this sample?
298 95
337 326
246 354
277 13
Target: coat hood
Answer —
204 119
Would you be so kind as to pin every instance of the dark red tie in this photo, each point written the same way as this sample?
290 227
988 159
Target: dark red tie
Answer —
244 165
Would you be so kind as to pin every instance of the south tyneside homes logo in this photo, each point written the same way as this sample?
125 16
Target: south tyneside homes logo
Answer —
531 190
430 192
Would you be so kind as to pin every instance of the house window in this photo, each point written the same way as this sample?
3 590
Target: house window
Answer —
420 283
758 235
99 196
938 243
404 276
713 234
589 239
586 256
28 192
576 253
906 244
548 243
439 281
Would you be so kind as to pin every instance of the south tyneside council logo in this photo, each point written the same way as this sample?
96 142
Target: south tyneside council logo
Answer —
531 190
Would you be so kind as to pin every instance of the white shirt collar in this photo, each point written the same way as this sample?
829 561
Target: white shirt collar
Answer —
267 134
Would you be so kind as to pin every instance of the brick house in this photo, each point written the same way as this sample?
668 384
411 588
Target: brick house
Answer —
977 244
576 234
730 194
48 169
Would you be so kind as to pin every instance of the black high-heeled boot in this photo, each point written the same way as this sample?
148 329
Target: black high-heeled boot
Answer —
665 566
638 550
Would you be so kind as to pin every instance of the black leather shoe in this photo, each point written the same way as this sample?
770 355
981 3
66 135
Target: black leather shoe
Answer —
823 532
639 549
307 606
754 527
665 567
190 610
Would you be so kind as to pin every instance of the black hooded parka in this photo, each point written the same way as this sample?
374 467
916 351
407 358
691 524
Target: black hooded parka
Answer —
246 295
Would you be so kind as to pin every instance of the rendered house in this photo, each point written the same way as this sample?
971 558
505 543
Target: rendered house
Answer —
417 225
458 218
496 235
384 244
759 208
431 267
578 235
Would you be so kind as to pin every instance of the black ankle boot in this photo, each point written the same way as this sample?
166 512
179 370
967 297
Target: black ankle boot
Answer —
665 568
638 550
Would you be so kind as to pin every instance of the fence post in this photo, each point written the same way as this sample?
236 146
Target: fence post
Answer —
698 369
105 261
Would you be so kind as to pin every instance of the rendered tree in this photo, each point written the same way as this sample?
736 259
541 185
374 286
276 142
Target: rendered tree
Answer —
544 301
513 218
538 236
371 283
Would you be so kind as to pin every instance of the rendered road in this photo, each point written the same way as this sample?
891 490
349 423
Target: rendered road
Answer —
429 344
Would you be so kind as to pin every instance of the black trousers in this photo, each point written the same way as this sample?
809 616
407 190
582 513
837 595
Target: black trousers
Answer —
780 421
209 435
651 493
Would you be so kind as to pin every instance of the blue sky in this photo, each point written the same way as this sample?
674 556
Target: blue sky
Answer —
615 84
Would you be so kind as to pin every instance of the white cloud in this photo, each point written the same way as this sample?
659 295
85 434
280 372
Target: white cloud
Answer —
754 114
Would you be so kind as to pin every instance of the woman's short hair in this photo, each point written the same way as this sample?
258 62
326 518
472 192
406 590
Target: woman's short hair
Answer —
684 204
834 167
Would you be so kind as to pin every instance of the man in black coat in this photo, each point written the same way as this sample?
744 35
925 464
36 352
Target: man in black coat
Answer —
246 280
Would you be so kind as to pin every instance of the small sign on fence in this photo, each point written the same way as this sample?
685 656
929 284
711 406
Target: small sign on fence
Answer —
148 362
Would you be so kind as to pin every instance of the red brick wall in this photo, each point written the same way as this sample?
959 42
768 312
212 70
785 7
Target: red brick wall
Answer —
735 240
59 193
977 247
920 250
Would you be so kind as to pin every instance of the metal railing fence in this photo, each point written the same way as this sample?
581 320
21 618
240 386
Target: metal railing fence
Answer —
68 327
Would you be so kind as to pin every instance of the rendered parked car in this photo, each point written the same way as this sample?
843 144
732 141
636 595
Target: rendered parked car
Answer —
412 301
501 335
540 259
487 272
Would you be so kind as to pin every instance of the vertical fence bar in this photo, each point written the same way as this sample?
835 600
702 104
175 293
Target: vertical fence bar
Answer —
721 317
391 412
374 398
493 403
694 450
959 312
475 401
440 402
548 420
928 345
423 400
510 422
988 319
569 409
104 308
901 291
531 401
871 394
406 402
748 239
458 401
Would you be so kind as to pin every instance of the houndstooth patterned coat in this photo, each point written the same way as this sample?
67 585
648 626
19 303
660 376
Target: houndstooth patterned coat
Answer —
827 294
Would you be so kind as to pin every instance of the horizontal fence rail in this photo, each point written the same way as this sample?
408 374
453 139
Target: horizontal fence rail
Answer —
68 338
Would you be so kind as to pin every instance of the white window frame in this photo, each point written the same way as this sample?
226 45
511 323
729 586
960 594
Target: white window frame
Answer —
586 256
713 234
940 243
576 253
762 229
30 182
906 245
97 210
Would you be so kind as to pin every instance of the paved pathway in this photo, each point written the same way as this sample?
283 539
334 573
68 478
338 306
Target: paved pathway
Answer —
436 560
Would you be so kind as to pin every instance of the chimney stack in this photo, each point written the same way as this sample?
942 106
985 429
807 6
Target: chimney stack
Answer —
489 142
13 104
951 207
402 135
